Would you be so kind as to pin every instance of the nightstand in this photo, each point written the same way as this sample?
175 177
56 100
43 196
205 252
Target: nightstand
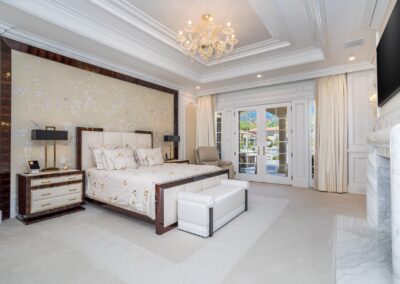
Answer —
177 161
49 194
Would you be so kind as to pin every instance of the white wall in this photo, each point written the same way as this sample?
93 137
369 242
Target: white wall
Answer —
298 94
360 88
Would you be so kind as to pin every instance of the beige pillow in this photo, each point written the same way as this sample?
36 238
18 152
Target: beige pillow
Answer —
120 159
150 157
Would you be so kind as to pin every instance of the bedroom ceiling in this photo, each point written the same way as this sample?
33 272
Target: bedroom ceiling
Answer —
283 40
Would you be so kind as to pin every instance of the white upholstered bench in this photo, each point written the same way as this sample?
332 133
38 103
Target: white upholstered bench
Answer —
204 212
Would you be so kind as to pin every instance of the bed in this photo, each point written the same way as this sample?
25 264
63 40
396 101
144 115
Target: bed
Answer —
147 193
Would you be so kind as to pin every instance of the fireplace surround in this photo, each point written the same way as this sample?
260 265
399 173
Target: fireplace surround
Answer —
383 192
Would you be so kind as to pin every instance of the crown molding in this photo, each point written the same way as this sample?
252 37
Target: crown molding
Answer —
34 40
63 15
140 20
291 78
315 10
130 14
250 50
4 27
294 58
268 13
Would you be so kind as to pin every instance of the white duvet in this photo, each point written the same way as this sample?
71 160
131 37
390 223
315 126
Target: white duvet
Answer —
136 187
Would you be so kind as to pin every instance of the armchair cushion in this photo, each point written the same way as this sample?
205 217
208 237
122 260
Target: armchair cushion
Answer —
211 163
207 154
224 163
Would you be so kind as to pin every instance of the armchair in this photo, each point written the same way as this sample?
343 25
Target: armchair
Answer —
209 156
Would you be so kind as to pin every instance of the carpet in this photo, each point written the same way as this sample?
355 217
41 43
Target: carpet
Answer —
99 246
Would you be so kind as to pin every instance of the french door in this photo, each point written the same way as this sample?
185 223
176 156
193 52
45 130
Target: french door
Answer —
263 143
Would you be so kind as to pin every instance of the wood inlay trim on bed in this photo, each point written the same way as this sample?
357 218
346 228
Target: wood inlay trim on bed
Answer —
146 132
79 143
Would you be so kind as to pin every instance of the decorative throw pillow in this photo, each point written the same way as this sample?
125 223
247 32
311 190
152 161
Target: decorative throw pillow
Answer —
98 155
150 157
120 159
99 158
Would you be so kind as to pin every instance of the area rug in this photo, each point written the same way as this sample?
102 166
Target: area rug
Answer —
99 246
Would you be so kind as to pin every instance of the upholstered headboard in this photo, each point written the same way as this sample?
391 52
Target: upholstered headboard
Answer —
87 137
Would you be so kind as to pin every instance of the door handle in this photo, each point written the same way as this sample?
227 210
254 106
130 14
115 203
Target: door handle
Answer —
258 150
264 150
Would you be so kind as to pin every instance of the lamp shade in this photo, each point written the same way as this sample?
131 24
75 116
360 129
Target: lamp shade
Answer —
172 138
39 134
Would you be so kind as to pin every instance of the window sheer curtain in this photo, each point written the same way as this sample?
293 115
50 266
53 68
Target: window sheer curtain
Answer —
331 134
205 132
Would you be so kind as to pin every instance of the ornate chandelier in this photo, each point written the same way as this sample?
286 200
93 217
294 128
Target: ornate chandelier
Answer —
207 39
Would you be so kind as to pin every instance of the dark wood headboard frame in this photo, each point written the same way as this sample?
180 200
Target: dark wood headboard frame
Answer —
79 141
6 46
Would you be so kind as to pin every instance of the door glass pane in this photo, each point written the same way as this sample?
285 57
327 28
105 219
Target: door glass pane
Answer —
276 133
248 142
312 136
218 123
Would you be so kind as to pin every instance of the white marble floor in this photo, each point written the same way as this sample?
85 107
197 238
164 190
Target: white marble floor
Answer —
298 247
363 255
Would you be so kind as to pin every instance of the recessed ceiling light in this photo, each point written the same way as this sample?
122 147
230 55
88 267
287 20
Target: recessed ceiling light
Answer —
352 58
197 87
259 75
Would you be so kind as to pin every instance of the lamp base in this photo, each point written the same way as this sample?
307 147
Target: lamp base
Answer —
50 169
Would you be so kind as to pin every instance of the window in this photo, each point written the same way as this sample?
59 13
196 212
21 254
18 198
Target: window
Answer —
218 127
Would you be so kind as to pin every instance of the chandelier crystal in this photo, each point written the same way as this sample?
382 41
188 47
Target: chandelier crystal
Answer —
207 39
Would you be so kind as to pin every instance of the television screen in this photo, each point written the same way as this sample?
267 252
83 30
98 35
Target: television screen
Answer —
388 58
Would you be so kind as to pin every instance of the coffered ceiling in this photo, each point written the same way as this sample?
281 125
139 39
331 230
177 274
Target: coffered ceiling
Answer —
283 40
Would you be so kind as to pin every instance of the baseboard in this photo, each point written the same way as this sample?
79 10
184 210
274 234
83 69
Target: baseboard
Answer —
357 188
300 183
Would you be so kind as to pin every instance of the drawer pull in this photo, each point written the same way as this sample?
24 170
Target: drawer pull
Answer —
45 182
72 189
46 194
72 178
72 199
45 205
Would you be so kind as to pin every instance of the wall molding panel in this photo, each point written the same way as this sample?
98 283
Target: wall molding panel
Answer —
360 87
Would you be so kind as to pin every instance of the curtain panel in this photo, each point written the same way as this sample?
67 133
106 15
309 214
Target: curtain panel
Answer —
331 135
205 121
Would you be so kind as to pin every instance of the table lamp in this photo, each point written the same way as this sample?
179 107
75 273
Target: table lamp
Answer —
172 139
48 135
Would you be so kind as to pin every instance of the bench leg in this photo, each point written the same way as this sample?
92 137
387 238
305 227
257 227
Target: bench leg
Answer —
246 200
211 222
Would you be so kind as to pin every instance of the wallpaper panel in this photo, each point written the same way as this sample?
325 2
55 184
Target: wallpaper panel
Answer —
46 93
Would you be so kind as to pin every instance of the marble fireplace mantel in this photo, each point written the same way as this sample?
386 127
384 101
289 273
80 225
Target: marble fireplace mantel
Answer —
383 193
381 140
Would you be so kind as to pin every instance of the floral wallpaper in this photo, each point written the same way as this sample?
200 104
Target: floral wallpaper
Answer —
47 93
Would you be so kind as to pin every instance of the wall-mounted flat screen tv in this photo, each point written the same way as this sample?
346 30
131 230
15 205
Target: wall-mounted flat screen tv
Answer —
388 58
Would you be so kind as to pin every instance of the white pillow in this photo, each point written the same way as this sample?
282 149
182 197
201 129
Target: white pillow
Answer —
120 159
150 157
98 155
99 159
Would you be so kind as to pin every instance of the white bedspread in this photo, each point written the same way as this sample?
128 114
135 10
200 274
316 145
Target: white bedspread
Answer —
136 187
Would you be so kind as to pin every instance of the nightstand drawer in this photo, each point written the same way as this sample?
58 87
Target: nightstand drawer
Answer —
52 180
39 194
51 203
